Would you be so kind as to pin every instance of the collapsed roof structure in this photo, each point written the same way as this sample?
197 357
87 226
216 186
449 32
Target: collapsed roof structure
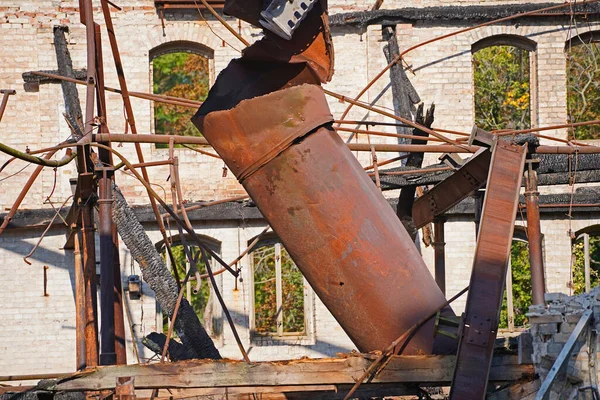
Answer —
357 255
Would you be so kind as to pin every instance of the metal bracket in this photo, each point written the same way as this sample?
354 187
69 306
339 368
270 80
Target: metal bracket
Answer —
479 331
282 17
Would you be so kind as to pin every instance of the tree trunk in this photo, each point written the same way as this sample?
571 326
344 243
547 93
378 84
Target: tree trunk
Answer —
188 327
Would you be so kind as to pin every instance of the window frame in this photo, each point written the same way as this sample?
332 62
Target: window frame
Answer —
279 337
177 46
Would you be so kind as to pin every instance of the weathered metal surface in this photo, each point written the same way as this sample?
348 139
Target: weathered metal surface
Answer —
489 272
89 275
336 225
534 235
311 43
446 194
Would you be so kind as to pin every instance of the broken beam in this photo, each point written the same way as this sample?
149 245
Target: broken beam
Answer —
448 193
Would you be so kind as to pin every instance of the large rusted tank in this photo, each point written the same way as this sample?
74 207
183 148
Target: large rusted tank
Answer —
334 222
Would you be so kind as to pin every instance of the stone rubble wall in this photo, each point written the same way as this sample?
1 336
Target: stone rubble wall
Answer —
551 327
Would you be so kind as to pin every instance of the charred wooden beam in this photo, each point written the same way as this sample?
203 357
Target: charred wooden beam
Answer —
333 371
466 14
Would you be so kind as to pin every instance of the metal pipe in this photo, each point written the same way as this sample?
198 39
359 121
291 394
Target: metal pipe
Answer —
107 295
440 148
534 236
439 248
89 275
80 346
365 259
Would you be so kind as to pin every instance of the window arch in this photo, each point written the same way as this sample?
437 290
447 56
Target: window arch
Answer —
504 76
180 69
281 297
583 83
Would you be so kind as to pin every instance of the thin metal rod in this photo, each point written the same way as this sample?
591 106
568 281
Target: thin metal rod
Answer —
225 24
386 134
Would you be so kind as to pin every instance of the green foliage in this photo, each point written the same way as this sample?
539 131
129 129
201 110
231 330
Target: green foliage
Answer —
182 75
265 292
583 89
521 276
199 300
579 264
501 77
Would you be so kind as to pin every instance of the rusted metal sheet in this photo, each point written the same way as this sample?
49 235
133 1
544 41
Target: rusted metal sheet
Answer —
489 272
446 194
311 43
336 225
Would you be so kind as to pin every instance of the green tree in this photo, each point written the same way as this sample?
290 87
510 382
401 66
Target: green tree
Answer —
184 75
501 78
583 89
521 277
579 264
265 292
199 300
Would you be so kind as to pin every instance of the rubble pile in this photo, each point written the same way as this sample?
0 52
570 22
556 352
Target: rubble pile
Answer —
551 326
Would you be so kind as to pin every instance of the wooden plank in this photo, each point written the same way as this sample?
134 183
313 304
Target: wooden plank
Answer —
449 192
332 371
486 288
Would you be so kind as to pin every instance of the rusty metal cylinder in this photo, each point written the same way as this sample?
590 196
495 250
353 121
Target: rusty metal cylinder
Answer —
335 224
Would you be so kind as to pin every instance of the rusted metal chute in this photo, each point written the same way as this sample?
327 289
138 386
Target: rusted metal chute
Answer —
268 119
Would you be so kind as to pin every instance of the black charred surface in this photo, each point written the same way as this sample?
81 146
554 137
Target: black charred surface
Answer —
454 13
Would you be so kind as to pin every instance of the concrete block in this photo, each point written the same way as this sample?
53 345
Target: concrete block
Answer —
547 329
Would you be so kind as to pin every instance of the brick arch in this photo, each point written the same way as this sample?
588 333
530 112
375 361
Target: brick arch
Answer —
592 230
504 39
192 33
181 46
208 241
584 38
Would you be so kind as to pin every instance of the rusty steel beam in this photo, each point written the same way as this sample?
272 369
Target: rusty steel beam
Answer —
446 194
534 234
480 323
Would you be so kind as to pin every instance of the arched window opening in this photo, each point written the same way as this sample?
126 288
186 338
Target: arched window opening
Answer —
279 292
518 291
502 68
583 84
179 70
199 295
586 260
